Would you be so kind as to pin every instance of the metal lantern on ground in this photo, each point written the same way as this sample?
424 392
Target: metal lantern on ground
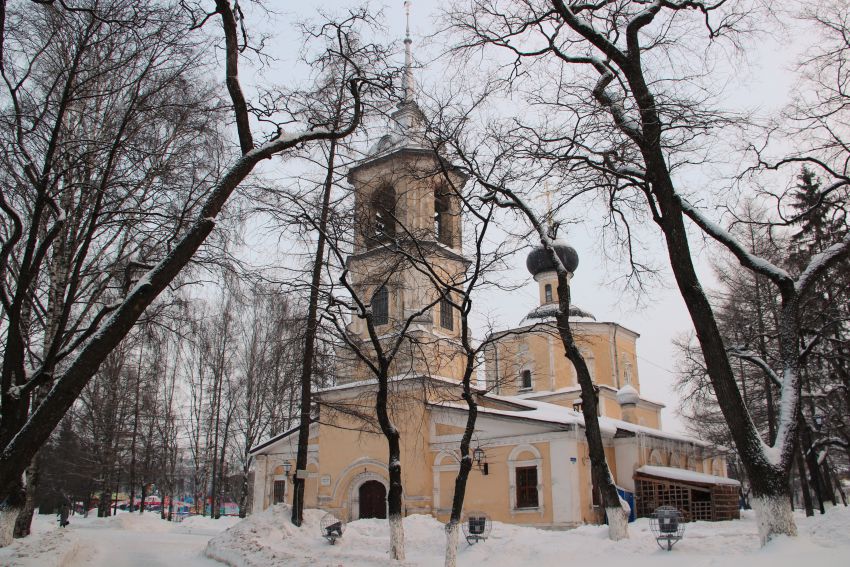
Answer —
332 528
476 527
667 525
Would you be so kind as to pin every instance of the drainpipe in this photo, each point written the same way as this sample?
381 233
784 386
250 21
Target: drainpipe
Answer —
496 358
616 359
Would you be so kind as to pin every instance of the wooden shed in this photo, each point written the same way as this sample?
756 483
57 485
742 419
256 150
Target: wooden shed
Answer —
698 496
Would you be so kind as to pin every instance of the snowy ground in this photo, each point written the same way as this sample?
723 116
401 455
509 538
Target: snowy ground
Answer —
269 539
126 540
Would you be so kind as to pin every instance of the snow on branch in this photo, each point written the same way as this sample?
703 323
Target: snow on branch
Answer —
747 259
821 262
752 357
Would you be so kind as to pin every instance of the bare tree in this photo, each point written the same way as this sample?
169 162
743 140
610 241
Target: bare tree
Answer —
34 218
623 124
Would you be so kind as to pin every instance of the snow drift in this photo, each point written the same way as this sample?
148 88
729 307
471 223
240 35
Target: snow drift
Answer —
268 538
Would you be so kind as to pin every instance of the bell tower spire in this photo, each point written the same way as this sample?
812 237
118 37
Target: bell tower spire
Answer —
408 84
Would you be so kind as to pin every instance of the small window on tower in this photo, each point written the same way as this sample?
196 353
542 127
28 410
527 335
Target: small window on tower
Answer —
383 207
447 320
381 307
525 380
547 291
442 229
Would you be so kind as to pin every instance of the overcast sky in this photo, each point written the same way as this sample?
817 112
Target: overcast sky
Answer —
761 82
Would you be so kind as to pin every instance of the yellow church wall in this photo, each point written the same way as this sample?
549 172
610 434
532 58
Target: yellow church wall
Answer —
541 352
347 454
491 493
648 417
589 513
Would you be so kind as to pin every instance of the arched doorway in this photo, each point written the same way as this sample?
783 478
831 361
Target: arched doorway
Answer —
373 500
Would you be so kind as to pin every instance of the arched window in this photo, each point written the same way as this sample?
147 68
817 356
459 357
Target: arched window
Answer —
442 228
547 292
381 306
525 380
384 217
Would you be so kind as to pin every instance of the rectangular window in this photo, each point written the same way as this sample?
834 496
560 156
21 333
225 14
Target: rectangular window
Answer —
526 487
447 319
525 380
381 307
279 491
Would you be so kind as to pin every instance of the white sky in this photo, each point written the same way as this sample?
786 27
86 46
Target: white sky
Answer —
763 81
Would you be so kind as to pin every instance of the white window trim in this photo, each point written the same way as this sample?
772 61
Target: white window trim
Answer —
513 464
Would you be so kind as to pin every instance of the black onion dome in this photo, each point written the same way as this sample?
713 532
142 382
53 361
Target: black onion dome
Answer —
539 261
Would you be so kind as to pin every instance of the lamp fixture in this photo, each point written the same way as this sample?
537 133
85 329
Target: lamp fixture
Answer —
480 459
287 466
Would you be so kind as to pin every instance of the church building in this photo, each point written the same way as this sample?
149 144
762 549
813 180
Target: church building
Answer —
531 458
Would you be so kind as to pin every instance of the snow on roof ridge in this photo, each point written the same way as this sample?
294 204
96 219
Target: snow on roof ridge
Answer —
394 378
608 423
686 475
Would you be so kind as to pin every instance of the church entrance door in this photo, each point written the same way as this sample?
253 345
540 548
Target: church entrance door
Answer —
373 500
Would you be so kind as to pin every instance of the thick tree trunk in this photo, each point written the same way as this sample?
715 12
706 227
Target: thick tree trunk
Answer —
462 473
810 461
769 480
452 529
243 494
10 508
23 523
774 516
804 485
618 517
394 497
298 484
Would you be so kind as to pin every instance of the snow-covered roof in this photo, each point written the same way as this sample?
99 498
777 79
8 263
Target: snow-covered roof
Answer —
392 379
272 440
577 388
684 475
552 413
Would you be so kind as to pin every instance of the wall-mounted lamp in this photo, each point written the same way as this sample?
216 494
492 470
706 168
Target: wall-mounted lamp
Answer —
481 460
287 466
